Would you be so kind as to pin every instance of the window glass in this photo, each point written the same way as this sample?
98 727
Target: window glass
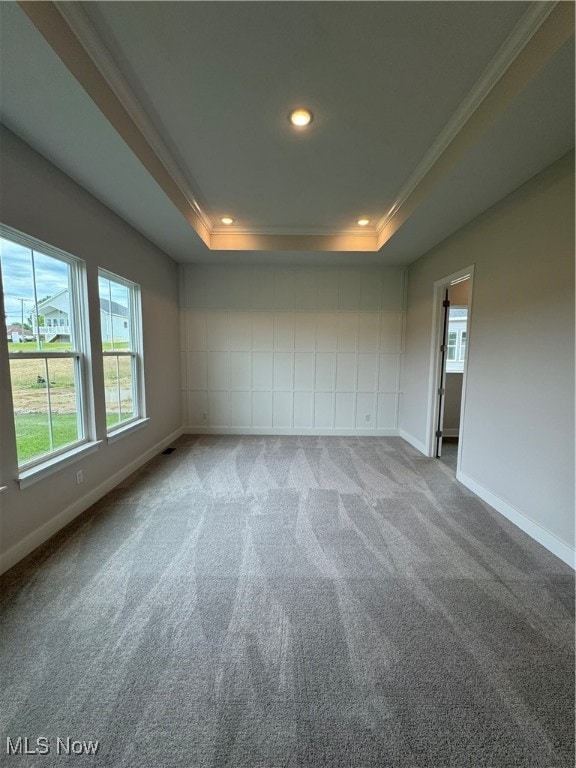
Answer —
452 336
121 349
45 347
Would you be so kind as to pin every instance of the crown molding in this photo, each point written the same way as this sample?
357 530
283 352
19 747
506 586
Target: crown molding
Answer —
520 36
231 241
79 23
367 233
67 28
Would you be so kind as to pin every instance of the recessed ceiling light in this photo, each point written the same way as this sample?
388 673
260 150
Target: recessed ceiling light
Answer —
363 222
300 117
227 220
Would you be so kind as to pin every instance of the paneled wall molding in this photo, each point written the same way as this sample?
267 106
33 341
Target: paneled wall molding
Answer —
291 351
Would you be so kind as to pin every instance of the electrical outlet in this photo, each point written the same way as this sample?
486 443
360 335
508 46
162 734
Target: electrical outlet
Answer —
79 477
367 417
204 417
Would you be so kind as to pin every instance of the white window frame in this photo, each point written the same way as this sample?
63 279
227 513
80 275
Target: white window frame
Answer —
52 460
462 338
136 354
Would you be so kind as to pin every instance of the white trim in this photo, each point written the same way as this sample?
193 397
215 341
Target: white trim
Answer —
540 534
414 442
76 18
34 539
451 432
434 369
79 23
520 36
54 464
319 431
3 488
127 429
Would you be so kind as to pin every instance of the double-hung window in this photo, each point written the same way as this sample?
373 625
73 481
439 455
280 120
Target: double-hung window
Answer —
44 303
456 339
120 324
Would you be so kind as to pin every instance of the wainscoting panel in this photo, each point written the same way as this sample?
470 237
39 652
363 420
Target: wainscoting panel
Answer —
314 350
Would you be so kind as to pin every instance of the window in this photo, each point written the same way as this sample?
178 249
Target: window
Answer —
462 350
46 365
452 342
456 346
120 323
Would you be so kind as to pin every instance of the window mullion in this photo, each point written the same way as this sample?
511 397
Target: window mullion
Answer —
49 400
118 388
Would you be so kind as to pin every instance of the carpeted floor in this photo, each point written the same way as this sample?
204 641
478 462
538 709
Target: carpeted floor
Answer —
291 602
450 452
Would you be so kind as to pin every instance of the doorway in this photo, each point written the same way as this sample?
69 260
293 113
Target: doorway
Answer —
452 305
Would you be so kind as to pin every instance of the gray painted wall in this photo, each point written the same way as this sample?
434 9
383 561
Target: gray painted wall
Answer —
41 201
518 424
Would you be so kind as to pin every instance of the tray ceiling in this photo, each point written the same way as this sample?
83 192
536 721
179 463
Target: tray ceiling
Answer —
175 114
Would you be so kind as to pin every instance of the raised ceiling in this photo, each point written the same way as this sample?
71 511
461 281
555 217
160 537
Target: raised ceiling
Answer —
175 114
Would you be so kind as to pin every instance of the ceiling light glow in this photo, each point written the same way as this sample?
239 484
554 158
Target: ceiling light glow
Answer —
363 222
300 117
227 220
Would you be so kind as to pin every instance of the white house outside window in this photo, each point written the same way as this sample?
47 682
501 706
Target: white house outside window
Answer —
42 285
456 340
120 323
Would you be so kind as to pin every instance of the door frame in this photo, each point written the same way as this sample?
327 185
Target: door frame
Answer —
435 358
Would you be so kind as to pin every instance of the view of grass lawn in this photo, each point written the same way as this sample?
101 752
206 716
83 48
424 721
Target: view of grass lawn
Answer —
33 437
33 381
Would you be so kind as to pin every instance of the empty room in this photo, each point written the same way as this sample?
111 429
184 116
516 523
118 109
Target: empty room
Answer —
287 384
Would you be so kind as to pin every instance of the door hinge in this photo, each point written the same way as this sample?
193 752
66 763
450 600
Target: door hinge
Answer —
439 433
446 303
442 347
441 391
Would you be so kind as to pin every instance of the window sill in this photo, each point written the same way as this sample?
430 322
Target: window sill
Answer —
33 475
121 432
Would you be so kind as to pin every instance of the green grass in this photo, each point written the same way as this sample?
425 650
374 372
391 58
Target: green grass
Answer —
32 346
58 346
30 399
33 438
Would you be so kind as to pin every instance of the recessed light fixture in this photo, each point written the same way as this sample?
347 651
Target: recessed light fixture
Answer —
300 117
227 220
363 222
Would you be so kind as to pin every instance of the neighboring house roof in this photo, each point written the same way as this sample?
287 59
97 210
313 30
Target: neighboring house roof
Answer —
61 303
113 308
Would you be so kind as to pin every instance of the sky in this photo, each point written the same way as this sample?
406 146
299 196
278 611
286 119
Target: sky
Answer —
17 280
51 277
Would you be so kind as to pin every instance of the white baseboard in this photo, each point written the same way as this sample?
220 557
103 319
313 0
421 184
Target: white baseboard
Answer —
544 537
33 540
389 432
451 433
413 441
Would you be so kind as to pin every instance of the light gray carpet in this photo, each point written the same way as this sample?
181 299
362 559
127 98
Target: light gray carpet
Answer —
450 452
287 602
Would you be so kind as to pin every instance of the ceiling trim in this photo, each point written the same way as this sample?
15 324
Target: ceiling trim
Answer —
536 37
555 28
281 242
55 30
522 33
80 24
